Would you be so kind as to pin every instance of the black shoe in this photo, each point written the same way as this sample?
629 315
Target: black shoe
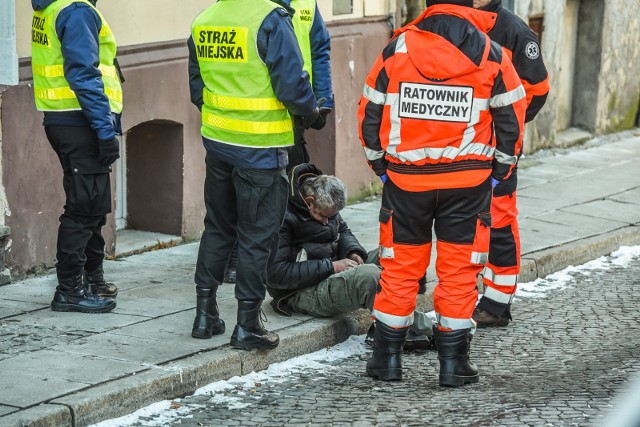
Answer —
453 351
369 339
97 285
422 285
73 295
416 341
250 333
386 362
484 319
207 322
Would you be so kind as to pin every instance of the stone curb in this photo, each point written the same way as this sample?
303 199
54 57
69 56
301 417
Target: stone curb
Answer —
540 264
184 376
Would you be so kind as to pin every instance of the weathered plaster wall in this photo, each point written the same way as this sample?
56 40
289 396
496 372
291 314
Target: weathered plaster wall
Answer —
541 132
4 207
620 72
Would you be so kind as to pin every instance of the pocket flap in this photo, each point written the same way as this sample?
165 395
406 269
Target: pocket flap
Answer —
385 215
87 166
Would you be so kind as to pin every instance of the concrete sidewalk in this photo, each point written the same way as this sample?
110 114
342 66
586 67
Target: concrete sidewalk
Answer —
63 369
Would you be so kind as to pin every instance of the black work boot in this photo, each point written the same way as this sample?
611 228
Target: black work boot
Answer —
73 295
207 322
230 268
386 362
250 333
486 319
97 285
453 351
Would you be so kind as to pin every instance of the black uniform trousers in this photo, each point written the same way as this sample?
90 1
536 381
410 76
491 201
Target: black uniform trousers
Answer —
246 205
87 188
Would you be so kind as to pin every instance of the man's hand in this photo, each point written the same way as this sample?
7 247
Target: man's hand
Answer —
108 151
383 178
494 182
343 265
357 258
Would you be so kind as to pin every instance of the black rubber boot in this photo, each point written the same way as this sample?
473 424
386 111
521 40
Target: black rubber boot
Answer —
207 322
249 333
73 295
230 268
453 351
97 285
386 362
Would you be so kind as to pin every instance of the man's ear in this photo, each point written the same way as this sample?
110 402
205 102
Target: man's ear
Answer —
310 200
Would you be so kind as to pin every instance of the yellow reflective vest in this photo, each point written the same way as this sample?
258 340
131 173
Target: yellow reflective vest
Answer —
302 23
240 106
51 88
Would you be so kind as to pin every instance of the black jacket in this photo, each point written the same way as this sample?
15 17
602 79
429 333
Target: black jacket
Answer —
518 38
323 244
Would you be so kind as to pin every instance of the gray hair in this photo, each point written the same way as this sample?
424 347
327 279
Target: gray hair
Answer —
327 190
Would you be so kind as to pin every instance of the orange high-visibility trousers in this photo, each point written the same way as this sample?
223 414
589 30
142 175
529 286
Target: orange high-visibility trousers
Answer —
461 221
500 275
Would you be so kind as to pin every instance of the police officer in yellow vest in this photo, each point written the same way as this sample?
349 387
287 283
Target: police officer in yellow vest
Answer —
77 85
246 76
315 46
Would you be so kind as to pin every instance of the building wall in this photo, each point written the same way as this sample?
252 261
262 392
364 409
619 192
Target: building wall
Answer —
594 86
620 68
590 48
157 105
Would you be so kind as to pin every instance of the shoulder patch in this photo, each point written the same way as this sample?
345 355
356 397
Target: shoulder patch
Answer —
532 50
282 11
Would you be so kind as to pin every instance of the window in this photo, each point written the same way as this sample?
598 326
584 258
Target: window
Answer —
536 23
342 7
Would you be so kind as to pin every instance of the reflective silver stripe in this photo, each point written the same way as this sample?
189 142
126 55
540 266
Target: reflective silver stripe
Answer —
500 279
506 159
373 154
373 95
439 153
401 44
508 98
392 320
479 257
497 296
480 104
393 101
455 323
386 252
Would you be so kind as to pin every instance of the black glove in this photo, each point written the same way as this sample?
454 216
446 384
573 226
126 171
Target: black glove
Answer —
310 119
108 151
321 121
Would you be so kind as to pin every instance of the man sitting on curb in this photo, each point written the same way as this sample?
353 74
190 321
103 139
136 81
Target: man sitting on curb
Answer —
320 267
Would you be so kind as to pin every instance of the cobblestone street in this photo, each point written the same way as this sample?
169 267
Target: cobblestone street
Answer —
568 352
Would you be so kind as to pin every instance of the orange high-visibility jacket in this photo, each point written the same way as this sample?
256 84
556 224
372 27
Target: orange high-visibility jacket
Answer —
434 100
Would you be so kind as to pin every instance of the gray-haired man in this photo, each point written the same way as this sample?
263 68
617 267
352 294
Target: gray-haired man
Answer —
320 267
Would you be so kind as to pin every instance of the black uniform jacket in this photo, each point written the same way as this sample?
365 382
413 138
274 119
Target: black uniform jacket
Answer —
306 248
